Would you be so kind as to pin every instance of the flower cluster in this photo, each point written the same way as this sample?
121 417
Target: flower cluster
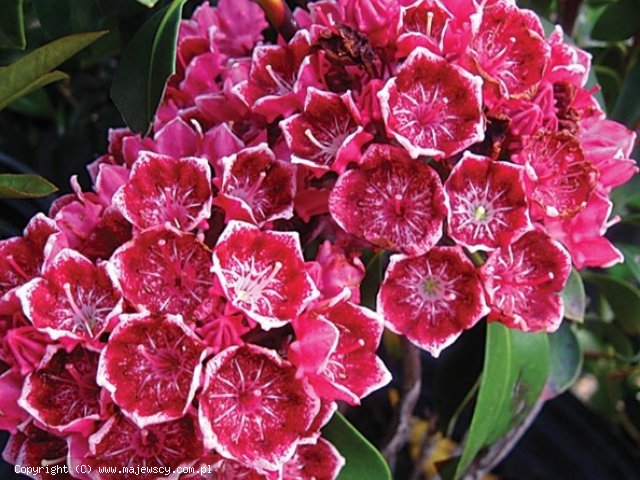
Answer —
202 304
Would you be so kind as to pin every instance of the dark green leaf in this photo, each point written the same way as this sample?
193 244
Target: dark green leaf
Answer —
623 196
627 108
24 186
575 300
632 259
619 21
622 297
35 105
64 17
565 359
605 336
33 70
610 82
363 459
146 64
516 367
541 7
12 24
633 219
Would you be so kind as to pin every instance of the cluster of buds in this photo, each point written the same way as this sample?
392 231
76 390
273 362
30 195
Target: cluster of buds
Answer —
201 306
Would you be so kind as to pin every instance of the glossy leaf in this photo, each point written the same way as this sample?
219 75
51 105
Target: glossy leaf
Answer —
12 24
574 298
148 3
610 83
516 367
622 297
619 21
33 70
627 107
24 186
632 259
44 80
64 17
146 64
363 461
565 360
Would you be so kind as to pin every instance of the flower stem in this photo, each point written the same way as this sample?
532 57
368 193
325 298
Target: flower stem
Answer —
411 384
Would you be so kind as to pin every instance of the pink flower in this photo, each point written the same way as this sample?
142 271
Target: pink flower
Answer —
433 298
524 280
561 178
74 299
163 190
253 408
62 393
424 23
21 258
32 447
278 78
432 107
164 270
567 63
151 366
487 203
262 273
314 462
12 415
608 146
120 442
239 25
583 235
335 350
509 50
256 187
328 134
392 201
339 271
378 19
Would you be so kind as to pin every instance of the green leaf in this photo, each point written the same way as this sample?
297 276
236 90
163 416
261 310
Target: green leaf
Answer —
624 196
627 107
33 70
363 459
148 3
12 24
64 17
565 359
574 298
610 81
619 21
516 367
34 105
632 259
44 80
146 64
24 186
622 297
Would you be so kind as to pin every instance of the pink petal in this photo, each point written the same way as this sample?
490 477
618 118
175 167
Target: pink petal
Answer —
151 366
253 408
433 298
